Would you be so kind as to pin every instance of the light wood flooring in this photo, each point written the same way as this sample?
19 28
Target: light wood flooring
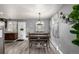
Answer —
21 47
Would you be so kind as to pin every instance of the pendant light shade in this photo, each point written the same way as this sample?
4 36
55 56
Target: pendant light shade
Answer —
39 24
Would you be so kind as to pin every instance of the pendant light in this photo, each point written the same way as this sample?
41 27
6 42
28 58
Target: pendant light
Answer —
39 24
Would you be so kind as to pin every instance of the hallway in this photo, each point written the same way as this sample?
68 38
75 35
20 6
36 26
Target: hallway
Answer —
21 47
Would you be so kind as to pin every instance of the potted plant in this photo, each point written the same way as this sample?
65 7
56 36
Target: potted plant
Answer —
74 15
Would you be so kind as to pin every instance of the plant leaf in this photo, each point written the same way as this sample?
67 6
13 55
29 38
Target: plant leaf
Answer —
76 26
74 32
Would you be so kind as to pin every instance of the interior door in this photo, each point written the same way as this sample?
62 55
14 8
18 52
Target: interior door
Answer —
22 30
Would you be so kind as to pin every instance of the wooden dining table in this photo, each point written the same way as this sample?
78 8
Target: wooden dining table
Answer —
38 40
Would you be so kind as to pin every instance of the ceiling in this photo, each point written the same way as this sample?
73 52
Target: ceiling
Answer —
25 11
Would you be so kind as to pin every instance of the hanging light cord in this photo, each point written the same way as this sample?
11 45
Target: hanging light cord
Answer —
39 16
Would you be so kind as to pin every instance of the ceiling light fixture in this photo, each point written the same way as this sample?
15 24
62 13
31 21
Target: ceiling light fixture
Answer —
39 24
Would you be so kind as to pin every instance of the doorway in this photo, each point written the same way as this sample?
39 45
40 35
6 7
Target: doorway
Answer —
22 31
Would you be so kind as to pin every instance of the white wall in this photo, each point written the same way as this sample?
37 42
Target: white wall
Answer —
11 26
64 43
2 37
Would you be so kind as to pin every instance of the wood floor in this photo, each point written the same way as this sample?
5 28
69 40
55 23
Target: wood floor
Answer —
21 47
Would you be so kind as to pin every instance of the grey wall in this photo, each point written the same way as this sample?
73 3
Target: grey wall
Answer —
64 43
31 25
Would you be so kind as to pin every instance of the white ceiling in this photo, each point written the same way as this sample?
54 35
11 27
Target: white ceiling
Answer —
25 11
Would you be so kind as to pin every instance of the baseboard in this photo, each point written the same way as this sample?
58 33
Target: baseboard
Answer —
20 40
55 49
